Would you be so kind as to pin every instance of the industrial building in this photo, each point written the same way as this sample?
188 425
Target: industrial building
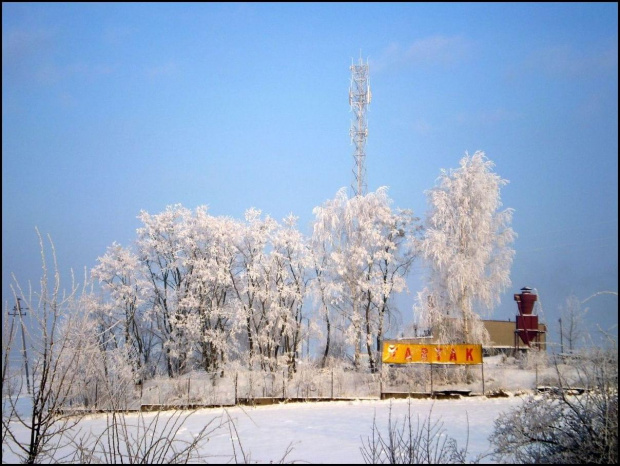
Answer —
522 334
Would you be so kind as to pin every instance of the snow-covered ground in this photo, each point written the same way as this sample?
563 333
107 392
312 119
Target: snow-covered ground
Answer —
334 432
325 432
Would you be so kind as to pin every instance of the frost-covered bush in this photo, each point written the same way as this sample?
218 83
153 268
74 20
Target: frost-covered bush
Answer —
412 441
532 360
455 375
406 377
561 426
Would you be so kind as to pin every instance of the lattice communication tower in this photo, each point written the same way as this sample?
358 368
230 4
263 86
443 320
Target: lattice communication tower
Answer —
359 99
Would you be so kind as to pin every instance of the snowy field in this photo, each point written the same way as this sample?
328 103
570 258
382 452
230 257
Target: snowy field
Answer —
325 432
333 432
330 432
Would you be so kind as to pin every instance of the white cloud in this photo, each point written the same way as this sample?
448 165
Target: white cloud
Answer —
29 54
51 73
19 42
431 51
22 48
566 61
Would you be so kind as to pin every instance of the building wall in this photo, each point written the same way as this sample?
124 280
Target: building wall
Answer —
501 333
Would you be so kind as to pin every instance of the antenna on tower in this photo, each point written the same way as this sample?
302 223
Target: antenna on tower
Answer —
359 99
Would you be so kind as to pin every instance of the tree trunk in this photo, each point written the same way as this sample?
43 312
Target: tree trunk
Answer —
327 341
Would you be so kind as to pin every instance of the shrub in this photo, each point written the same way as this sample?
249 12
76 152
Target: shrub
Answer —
412 442
561 426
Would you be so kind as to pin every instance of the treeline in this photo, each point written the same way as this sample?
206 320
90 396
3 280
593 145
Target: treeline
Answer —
198 291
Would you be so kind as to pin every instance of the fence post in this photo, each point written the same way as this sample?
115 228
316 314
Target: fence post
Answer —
96 393
431 379
236 379
482 378
283 385
332 383
188 382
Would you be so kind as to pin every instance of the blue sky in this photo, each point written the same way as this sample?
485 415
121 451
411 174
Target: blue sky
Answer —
108 109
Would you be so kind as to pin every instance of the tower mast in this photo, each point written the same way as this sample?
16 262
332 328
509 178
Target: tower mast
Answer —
359 99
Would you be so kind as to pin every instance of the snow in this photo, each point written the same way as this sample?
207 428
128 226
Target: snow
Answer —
334 432
326 432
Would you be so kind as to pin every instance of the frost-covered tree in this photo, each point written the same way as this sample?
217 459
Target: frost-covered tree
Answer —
291 260
35 434
269 280
467 250
363 250
201 290
572 322
327 295
188 260
105 375
121 318
160 249
209 301
251 283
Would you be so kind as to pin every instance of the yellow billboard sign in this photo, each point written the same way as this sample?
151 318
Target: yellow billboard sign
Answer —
406 353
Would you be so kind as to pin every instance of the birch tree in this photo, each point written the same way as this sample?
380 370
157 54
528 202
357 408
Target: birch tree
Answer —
573 327
208 301
119 273
365 250
292 263
467 249
189 261
269 280
249 281
325 293
160 250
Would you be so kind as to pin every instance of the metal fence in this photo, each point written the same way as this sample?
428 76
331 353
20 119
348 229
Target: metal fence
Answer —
245 386
201 389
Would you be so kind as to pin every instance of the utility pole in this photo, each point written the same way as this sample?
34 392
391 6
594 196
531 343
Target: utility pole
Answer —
17 311
11 339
